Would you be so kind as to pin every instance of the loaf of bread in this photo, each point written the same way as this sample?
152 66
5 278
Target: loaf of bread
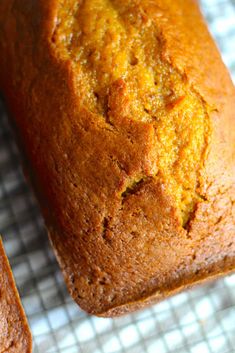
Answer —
15 336
125 113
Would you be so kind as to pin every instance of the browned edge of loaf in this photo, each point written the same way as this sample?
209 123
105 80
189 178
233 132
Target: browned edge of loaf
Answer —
43 88
158 297
15 335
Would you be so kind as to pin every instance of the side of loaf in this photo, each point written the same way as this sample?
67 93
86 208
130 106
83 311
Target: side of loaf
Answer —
15 336
125 114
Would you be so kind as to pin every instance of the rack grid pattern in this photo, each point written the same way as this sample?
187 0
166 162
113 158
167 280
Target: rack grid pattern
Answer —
198 321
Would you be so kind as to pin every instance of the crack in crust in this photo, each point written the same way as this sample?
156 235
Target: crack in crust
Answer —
117 50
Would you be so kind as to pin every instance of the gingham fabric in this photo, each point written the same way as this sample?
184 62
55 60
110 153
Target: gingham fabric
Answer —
199 321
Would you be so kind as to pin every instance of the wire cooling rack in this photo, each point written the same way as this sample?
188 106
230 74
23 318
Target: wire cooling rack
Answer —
199 321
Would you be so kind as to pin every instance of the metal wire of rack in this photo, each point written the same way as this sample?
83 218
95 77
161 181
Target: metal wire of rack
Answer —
198 321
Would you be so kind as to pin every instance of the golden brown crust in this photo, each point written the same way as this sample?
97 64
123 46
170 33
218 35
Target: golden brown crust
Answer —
15 336
128 224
